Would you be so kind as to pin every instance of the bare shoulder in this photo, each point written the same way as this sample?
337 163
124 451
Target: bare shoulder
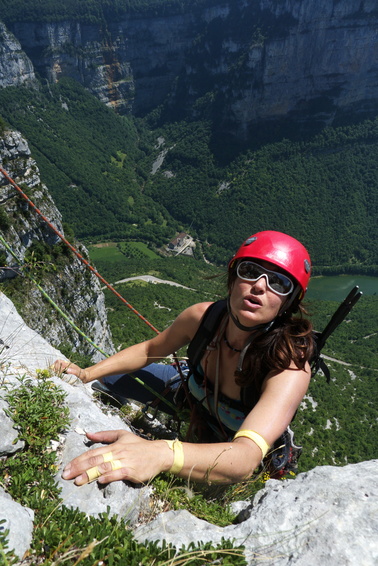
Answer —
179 333
189 320
193 314
291 380
197 310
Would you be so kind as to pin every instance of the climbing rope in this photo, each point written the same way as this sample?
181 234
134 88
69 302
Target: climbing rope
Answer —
75 251
75 327
50 300
99 276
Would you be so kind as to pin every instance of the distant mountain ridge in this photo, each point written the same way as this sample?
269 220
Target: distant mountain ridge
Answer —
244 64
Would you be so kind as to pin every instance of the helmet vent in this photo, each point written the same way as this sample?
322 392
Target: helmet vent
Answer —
307 266
250 240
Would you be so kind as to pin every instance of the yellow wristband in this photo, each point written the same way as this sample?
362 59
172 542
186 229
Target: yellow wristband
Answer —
178 455
257 439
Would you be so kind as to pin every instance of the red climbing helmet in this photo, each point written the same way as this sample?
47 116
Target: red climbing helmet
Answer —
282 250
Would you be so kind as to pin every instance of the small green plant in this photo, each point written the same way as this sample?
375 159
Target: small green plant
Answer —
44 373
68 536
6 556
39 414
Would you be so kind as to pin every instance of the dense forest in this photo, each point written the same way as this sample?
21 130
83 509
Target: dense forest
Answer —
119 178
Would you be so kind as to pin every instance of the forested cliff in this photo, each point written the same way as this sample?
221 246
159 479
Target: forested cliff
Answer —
239 62
245 106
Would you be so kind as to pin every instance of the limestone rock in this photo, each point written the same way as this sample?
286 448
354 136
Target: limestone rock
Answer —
19 523
326 516
22 350
15 66
121 498
262 60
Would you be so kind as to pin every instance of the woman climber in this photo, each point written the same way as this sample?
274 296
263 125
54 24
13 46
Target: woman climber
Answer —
244 387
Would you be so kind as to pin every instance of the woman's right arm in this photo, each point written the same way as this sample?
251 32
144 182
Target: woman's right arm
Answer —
137 356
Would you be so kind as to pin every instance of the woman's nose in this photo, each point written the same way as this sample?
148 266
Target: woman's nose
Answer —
260 284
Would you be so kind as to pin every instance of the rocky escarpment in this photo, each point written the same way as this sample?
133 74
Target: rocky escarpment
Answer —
38 251
245 62
15 66
326 516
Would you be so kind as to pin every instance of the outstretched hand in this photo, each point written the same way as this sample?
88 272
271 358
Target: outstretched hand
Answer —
126 457
61 366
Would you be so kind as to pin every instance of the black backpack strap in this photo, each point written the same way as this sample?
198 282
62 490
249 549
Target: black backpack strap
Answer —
321 337
207 328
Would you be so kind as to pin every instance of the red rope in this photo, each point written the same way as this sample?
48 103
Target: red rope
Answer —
81 258
87 264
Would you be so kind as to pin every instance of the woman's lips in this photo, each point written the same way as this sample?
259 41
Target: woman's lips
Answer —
253 301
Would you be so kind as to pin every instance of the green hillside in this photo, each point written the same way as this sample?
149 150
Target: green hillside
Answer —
324 192
99 168
88 157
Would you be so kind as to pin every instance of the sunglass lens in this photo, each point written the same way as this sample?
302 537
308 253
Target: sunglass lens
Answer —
250 271
277 282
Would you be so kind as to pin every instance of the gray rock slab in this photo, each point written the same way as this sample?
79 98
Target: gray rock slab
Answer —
326 516
22 350
19 522
120 498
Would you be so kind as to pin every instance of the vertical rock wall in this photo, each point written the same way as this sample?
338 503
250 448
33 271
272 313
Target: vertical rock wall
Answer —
60 273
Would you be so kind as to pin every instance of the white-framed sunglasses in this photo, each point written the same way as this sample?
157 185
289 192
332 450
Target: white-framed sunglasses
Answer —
277 282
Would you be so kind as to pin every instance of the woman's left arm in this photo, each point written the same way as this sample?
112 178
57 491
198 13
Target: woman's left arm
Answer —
129 457
281 396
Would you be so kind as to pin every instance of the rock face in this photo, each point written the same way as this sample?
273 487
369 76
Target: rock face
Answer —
15 66
326 516
62 276
248 62
19 523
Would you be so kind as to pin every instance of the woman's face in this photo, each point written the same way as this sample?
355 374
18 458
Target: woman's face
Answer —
253 302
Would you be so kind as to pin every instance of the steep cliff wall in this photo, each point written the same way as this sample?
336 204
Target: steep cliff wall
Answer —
245 61
15 66
61 275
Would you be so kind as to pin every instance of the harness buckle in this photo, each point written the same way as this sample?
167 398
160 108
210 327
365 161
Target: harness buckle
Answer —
147 407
